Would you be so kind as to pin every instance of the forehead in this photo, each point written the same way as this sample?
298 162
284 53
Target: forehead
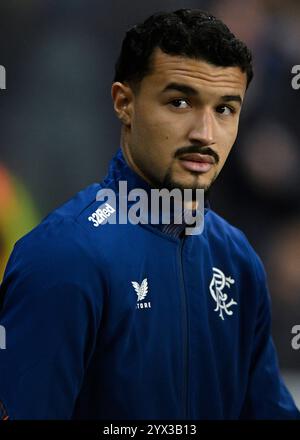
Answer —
167 68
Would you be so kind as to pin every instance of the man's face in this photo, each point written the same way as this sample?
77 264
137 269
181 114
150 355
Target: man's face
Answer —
183 121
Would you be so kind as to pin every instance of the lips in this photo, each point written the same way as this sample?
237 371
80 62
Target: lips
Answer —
200 163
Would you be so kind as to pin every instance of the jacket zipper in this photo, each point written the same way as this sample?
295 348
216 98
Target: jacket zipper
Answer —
185 334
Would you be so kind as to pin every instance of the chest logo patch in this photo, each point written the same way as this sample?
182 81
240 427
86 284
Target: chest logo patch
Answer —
141 290
218 283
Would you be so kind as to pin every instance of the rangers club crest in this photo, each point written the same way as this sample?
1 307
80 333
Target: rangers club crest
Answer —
217 285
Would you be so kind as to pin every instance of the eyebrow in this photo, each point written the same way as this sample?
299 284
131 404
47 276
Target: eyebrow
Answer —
190 91
235 98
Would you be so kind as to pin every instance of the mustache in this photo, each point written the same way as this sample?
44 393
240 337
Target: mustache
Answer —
196 149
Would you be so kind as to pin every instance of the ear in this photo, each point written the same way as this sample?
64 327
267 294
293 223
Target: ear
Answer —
122 96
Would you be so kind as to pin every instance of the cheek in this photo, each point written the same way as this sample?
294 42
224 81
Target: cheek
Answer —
145 125
225 142
224 156
151 130
152 141
153 120
228 136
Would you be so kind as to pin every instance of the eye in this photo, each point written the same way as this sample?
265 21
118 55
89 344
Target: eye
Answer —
180 103
225 110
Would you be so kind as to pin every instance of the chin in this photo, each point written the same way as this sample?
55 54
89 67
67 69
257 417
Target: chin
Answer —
187 181
177 184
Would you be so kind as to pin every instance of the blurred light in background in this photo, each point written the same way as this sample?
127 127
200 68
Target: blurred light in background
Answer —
17 214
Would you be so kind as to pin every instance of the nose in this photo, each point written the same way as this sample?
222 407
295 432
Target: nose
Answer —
202 130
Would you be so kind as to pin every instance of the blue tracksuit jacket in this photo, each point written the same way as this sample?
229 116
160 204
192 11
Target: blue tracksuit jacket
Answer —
123 321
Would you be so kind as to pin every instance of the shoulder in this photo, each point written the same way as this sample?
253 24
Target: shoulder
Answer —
232 241
58 250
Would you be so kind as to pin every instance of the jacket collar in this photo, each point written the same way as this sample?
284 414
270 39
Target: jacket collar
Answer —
119 170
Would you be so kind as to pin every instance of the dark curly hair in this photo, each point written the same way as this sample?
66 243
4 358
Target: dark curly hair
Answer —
186 32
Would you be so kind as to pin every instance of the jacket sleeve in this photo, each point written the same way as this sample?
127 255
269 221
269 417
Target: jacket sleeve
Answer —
267 396
51 317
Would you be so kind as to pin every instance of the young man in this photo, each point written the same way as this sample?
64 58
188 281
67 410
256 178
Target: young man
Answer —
115 320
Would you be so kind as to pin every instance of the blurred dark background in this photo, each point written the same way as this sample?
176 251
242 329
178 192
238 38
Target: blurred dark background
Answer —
58 130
